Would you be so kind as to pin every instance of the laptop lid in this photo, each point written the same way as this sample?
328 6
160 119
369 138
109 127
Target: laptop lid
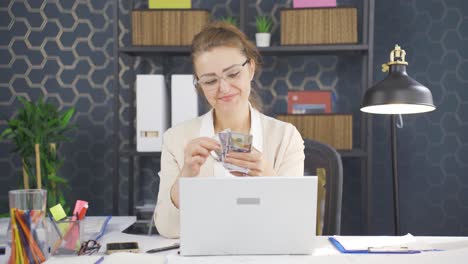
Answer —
247 215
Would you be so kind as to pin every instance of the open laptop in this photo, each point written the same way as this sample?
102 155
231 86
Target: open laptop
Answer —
247 215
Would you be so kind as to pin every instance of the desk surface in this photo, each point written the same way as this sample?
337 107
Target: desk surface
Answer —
455 251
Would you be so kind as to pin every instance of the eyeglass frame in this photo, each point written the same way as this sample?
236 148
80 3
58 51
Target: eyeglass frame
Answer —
197 80
85 249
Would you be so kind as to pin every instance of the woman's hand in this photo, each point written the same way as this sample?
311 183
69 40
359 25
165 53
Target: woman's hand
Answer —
195 154
253 161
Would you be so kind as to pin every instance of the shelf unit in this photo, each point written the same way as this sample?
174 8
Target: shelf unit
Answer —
365 49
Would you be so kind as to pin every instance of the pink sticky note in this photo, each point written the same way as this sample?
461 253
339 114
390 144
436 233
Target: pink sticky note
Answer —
313 3
79 205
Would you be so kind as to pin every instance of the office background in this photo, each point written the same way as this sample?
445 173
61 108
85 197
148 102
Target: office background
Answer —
63 50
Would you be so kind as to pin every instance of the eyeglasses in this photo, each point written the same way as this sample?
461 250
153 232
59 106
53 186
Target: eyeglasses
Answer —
89 247
232 75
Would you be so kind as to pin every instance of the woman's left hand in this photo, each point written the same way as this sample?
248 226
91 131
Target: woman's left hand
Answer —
253 161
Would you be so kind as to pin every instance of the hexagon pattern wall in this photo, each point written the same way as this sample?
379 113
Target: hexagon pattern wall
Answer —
62 50
432 147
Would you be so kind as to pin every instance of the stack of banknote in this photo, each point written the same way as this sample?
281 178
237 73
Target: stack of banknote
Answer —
232 141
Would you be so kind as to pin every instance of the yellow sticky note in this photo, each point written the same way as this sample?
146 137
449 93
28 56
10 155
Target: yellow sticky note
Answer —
164 4
57 212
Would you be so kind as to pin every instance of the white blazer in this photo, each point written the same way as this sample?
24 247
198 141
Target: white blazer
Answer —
280 143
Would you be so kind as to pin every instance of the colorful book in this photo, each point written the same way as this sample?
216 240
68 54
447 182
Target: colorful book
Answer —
313 3
169 4
309 102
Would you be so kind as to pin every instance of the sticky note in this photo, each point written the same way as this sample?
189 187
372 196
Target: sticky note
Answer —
79 205
57 212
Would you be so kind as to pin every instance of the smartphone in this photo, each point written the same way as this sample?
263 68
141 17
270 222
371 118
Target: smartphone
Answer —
122 247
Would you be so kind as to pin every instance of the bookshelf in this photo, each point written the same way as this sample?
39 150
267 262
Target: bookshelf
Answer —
364 49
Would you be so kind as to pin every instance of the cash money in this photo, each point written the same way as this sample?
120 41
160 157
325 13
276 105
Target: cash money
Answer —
232 141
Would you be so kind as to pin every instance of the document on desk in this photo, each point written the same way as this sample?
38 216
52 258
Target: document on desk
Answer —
406 244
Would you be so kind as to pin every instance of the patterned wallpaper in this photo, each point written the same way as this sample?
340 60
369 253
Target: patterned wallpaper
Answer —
63 50
433 147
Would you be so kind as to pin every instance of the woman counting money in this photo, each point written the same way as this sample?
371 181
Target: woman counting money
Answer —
224 63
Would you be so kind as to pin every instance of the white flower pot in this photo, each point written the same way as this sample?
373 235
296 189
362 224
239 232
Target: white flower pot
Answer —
263 39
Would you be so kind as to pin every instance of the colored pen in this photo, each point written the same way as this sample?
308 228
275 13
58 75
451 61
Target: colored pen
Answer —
100 260
155 250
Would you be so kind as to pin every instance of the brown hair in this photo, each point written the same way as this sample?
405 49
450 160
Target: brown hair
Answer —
222 34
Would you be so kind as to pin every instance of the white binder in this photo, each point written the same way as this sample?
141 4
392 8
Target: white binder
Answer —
184 98
152 112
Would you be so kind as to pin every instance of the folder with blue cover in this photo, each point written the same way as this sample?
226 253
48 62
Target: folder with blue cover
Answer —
376 245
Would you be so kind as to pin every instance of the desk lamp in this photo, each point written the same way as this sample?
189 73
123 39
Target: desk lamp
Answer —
397 94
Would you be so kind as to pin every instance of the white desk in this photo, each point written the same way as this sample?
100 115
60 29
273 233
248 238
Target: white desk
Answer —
455 251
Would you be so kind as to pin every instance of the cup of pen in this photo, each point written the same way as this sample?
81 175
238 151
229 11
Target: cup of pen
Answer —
28 230
65 236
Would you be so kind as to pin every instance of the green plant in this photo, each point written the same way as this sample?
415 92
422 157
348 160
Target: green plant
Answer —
264 24
36 132
230 20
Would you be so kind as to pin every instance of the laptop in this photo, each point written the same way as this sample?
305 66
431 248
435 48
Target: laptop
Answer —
247 215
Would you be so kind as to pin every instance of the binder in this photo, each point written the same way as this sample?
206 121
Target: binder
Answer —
152 112
184 98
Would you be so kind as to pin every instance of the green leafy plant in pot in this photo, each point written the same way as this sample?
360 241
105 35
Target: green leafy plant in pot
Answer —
263 35
230 20
37 131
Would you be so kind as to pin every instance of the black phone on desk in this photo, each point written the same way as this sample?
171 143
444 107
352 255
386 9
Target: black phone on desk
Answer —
122 247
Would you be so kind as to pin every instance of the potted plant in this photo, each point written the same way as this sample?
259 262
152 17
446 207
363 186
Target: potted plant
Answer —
230 20
37 131
263 35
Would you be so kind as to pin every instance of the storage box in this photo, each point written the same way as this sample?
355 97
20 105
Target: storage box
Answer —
319 26
152 111
167 27
184 98
161 4
333 129
313 3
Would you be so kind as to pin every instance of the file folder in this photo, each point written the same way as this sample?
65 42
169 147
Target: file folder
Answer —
152 112
184 98
373 250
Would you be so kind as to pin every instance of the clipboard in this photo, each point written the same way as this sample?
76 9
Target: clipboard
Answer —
373 250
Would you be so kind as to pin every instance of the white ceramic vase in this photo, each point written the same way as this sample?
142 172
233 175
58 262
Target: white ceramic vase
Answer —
263 39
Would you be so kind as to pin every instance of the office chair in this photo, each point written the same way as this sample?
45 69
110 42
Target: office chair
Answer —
325 162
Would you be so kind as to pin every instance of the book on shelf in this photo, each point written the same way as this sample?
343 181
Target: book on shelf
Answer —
310 102
169 4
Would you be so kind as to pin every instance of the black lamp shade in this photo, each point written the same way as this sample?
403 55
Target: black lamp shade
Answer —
398 93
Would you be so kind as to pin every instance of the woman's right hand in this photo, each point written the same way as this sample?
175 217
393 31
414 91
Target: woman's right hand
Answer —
195 154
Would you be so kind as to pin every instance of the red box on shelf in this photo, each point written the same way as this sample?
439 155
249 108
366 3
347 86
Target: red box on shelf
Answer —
309 102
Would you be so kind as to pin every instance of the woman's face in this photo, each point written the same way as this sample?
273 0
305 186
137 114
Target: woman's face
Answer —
224 74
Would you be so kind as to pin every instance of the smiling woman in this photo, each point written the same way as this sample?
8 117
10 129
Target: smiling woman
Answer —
225 63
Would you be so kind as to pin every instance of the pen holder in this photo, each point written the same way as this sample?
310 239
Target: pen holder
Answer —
28 229
65 237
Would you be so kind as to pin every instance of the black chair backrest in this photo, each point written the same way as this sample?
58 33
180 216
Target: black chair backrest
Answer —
320 156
